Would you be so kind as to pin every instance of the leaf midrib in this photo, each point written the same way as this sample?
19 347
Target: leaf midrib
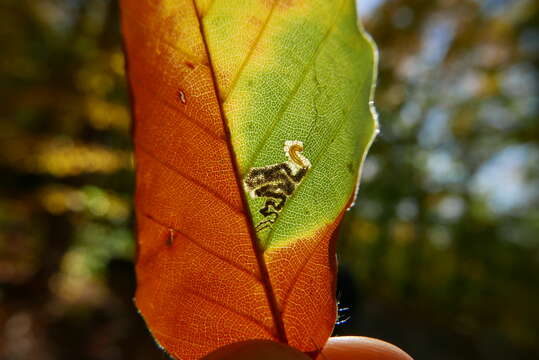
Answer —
264 273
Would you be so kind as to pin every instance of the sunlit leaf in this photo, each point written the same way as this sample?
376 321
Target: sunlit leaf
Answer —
251 122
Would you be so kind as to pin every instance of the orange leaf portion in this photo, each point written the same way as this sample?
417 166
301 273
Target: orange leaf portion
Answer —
203 280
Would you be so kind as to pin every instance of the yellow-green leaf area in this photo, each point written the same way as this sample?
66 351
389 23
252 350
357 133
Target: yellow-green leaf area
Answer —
295 70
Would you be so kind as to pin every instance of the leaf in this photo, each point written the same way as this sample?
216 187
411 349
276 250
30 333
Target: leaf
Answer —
243 106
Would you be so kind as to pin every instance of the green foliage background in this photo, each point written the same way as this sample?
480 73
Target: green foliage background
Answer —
440 254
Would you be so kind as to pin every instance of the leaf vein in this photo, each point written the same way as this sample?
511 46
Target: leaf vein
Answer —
126 14
151 91
316 161
251 51
206 249
297 275
187 177
280 114
232 310
264 274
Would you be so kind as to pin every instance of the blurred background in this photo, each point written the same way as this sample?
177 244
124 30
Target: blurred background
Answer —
440 255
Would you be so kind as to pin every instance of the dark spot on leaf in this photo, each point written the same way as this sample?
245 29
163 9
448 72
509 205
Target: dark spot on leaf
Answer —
182 97
350 167
190 65
170 237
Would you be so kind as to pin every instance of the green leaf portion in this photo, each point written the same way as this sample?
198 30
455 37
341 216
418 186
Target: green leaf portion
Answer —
307 75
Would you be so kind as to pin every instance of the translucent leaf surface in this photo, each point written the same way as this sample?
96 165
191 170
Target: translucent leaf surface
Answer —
251 122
